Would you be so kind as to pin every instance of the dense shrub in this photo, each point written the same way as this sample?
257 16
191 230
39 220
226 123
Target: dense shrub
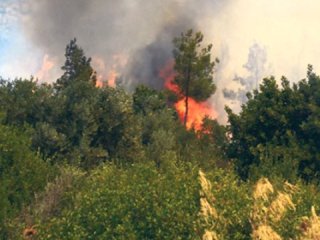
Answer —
136 203
22 174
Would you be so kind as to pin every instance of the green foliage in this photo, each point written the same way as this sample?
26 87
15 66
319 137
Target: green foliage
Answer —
48 141
233 203
213 143
162 149
21 101
119 129
80 124
274 161
303 198
76 68
58 194
129 170
137 203
147 100
74 121
193 67
141 202
22 174
274 128
92 125
205 148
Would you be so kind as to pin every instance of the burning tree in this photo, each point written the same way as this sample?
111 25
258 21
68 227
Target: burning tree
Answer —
194 69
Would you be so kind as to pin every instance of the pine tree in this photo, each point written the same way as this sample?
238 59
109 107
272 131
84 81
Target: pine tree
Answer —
194 68
76 68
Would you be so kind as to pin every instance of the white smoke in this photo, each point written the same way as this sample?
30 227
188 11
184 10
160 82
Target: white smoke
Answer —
256 68
10 12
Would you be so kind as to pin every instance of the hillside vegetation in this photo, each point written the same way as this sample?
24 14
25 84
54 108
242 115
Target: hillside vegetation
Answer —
84 162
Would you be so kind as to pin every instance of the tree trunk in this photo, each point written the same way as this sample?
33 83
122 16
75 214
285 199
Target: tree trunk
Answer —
186 110
187 95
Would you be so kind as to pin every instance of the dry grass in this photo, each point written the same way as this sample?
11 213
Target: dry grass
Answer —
207 210
263 189
268 210
311 227
289 188
265 232
280 205
259 214
205 186
48 203
209 235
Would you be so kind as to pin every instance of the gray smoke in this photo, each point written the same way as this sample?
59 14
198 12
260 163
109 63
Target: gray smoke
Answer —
138 29
257 68
10 11
147 62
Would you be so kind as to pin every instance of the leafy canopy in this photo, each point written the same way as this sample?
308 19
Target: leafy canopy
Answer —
278 127
76 67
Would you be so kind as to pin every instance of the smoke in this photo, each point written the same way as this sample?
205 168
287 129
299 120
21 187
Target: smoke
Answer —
10 12
141 32
147 62
257 69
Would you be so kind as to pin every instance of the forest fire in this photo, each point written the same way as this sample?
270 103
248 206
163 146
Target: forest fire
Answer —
108 75
47 67
197 111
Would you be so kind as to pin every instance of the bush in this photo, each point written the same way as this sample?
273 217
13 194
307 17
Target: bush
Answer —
136 203
22 174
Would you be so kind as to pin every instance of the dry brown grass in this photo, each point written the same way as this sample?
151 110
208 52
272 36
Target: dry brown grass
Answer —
268 210
265 232
205 186
290 188
280 205
209 235
263 189
311 226
207 210
48 203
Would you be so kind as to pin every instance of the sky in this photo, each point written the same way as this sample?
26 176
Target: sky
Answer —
18 56
252 38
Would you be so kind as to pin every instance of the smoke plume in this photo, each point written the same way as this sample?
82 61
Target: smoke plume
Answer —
140 33
136 31
257 69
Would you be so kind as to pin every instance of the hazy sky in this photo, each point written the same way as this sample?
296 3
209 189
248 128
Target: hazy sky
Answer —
278 37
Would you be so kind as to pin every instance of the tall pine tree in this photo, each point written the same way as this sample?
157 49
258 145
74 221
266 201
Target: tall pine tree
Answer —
76 67
194 68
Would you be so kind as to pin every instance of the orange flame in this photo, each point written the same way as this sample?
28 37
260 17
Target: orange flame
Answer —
108 74
45 72
197 111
